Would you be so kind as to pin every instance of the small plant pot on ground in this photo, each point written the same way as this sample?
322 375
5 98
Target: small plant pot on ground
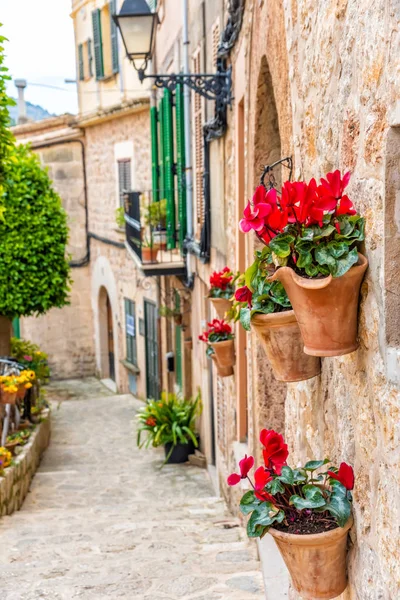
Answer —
12 446
222 371
326 309
281 340
149 255
316 562
221 305
224 352
180 452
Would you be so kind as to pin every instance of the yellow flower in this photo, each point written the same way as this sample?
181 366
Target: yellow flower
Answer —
28 385
31 374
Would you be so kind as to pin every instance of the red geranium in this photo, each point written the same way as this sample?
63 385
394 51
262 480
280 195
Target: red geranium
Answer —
275 450
221 279
244 466
345 475
243 294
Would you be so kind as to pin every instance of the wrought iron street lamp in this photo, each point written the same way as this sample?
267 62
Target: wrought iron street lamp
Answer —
137 25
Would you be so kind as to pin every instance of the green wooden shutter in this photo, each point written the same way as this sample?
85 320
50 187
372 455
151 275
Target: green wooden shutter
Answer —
154 153
178 346
80 63
98 44
16 325
168 135
161 149
180 162
90 57
114 37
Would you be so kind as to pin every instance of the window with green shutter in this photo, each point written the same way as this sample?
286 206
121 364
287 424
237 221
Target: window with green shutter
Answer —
180 162
154 153
90 57
114 37
169 179
97 44
81 68
130 332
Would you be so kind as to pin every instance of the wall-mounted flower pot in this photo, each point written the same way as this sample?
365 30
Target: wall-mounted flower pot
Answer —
188 344
326 309
281 340
149 255
221 305
180 453
178 319
7 398
222 371
316 562
224 352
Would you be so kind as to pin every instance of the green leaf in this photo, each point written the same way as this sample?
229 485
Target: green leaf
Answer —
261 519
299 475
344 264
323 257
305 259
248 503
250 274
287 476
313 498
280 245
275 487
313 465
245 315
312 270
340 507
337 249
326 231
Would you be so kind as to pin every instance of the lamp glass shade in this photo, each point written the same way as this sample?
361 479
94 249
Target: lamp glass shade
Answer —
137 34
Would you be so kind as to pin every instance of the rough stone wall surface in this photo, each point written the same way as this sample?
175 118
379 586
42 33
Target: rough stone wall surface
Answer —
67 334
14 484
332 74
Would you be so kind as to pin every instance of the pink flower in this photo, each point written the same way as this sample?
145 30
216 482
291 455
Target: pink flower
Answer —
253 217
245 465
27 357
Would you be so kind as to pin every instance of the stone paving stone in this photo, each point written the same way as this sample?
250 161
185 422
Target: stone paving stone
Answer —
103 522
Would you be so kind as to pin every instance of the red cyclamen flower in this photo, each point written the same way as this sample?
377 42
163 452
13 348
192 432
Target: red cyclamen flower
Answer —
243 294
261 478
275 450
221 279
345 476
332 188
245 465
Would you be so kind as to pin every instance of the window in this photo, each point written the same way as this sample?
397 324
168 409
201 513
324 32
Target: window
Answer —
85 61
130 330
198 117
124 178
105 41
81 66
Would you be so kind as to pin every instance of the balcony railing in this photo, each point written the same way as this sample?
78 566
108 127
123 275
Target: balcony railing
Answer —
153 234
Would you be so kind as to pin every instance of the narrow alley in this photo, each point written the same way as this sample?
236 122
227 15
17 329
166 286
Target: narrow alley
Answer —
103 522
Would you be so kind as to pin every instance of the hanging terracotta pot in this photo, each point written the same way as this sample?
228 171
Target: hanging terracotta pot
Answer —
281 339
316 562
225 353
326 309
221 305
21 392
222 371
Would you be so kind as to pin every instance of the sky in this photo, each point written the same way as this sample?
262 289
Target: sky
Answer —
41 49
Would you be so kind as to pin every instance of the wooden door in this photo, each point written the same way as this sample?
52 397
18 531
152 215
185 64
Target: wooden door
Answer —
110 334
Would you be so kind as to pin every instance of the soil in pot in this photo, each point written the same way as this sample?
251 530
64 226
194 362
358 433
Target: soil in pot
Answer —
280 336
316 562
225 353
326 309
221 305
180 453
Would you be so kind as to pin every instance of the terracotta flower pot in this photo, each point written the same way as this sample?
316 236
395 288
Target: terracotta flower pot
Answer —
225 353
281 339
316 562
326 309
221 371
149 255
7 398
221 305
21 392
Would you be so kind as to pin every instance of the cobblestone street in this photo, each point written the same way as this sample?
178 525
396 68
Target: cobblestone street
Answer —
103 522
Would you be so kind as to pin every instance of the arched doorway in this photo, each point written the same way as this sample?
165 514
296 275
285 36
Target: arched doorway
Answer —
106 330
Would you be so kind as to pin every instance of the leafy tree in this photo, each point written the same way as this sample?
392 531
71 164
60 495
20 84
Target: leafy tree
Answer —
34 271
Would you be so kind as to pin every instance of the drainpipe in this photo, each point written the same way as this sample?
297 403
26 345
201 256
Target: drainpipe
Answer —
20 84
188 135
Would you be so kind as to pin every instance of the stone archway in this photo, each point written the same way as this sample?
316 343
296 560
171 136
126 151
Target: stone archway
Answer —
106 336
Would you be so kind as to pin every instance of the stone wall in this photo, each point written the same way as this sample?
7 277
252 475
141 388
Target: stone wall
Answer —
15 482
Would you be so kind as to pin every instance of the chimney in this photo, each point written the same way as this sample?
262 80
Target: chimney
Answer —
20 84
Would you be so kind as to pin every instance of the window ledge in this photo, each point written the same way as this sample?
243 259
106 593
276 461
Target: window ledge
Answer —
128 365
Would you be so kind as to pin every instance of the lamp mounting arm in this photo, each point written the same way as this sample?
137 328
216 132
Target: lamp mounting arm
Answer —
217 86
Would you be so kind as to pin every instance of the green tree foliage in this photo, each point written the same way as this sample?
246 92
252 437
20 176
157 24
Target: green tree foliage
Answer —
34 272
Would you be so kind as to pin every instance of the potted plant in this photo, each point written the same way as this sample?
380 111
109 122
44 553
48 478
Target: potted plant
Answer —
32 358
170 422
5 458
149 250
307 510
220 338
9 389
120 217
222 288
221 371
156 218
264 307
171 313
311 234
